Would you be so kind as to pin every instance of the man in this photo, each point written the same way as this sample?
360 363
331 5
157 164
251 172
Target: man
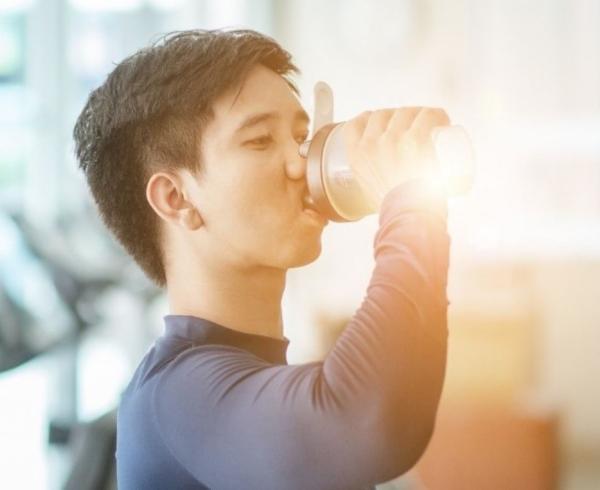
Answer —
190 148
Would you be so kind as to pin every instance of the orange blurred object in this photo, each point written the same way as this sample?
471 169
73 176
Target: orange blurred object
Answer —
488 448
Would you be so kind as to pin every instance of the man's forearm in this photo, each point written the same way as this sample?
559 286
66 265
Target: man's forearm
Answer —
390 361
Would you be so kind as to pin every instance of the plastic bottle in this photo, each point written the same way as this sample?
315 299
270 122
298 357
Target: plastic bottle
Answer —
335 191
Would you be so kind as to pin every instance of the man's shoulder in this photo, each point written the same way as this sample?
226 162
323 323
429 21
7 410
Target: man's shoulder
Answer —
161 364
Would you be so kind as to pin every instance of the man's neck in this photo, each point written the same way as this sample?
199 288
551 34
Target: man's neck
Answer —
247 301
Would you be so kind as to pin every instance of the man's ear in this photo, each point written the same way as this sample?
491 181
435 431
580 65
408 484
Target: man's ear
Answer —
167 196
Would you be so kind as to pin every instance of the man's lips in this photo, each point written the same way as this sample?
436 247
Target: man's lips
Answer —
309 208
308 203
315 216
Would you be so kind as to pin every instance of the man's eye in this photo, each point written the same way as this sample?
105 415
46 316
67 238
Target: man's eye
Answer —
265 140
262 141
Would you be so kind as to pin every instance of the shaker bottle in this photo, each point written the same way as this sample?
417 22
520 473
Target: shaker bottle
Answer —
336 193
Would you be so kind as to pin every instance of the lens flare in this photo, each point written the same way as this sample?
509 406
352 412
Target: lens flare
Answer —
456 159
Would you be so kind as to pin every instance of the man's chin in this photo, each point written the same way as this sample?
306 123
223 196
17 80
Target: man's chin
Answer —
306 256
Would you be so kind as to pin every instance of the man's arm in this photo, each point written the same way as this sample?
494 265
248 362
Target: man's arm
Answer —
362 416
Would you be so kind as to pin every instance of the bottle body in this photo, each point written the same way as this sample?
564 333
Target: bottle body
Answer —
336 192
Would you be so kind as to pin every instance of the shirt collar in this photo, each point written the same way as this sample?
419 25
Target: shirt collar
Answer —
202 331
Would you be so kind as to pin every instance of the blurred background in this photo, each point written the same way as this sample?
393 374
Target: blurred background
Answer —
520 407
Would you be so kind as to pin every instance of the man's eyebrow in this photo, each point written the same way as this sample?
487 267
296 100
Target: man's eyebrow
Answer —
300 115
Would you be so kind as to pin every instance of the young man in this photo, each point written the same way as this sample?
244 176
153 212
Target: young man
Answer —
190 148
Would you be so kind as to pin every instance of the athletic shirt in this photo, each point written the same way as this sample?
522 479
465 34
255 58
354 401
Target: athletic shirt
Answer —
212 407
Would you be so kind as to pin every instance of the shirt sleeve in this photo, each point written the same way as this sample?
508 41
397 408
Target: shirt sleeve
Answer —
362 416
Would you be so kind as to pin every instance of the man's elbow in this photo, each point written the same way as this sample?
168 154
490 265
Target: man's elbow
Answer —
406 445
419 445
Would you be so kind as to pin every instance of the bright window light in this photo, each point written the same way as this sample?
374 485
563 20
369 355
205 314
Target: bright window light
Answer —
106 5
166 5
9 6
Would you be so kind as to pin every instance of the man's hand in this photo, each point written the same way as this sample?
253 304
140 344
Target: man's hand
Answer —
388 147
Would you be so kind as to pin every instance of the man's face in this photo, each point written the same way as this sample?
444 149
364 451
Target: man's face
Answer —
250 195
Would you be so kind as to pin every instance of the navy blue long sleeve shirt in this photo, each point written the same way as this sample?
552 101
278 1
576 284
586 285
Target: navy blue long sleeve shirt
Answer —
212 407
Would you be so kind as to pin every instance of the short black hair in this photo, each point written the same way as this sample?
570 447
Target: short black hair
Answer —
148 115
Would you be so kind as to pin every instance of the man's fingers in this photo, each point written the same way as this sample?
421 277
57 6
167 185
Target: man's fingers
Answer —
377 124
353 129
427 119
390 146
401 121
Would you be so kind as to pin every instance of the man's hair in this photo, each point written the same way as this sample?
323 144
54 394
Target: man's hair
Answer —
149 114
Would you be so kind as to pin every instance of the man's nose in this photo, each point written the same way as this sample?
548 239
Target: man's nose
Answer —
295 164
